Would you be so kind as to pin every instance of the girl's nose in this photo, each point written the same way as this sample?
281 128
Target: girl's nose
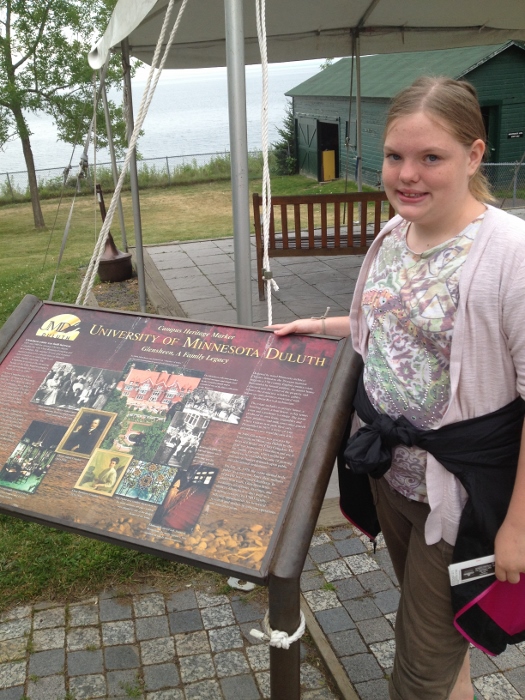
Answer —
408 171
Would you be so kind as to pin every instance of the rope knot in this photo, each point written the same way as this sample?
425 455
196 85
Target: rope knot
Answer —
276 638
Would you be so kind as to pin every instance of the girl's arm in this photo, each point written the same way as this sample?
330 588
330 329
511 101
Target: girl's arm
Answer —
338 326
510 540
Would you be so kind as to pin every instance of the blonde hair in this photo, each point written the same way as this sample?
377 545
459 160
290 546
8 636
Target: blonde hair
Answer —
455 104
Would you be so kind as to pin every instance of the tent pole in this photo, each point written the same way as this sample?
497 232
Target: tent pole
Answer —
134 182
239 158
114 168
358 114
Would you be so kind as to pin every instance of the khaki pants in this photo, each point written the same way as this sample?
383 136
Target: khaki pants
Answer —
429 649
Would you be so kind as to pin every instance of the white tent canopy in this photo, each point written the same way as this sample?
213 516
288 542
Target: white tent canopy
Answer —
302 29
223 32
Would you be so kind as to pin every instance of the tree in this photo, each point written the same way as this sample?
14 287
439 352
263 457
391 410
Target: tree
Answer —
326 63
284 150
43 67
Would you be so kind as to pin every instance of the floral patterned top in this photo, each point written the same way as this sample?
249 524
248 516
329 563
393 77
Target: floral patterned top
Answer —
409 302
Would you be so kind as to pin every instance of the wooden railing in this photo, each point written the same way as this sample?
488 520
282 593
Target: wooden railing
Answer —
318 225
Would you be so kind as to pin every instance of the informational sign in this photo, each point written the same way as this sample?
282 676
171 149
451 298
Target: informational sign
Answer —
515 135
179 438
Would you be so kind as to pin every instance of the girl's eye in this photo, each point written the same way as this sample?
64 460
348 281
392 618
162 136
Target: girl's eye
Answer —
432 158
392 156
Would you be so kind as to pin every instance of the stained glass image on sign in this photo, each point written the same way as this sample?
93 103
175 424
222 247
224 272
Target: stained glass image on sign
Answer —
145 481
27 465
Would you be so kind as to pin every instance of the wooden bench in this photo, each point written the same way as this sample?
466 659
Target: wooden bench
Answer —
317 225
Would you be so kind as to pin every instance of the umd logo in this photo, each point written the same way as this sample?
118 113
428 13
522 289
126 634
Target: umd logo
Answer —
62 327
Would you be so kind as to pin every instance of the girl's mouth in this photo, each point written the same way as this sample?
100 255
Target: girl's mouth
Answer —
411 196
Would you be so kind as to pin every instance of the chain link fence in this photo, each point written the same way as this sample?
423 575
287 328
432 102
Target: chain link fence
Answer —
168 170
507 181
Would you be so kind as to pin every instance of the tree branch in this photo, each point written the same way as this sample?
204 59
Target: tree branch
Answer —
34 46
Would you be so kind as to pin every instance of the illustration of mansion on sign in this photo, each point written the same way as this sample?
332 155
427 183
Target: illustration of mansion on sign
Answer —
155 391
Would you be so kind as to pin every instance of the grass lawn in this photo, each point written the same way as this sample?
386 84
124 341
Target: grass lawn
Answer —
38 562
29 257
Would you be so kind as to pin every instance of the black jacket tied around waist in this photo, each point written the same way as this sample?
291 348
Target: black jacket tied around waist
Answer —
481 452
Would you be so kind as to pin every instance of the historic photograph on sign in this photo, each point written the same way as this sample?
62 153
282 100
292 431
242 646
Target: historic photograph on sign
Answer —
145 481
86 432
28 463
103 472
74 386
216 405
145 400
181 440
186 499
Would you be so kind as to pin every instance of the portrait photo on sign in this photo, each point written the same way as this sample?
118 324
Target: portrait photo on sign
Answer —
103 472
76 386
31 459
86 432
186 499
216 405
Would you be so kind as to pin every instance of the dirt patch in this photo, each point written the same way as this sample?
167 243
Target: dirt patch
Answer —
123 296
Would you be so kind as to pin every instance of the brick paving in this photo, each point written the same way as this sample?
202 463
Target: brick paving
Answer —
186 644
195 644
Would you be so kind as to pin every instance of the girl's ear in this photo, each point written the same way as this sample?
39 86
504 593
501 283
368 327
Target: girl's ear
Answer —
476 153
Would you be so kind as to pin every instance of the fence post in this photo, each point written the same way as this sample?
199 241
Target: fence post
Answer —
10 188
515 183
168 169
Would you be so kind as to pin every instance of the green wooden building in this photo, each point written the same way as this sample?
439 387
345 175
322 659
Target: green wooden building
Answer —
326 121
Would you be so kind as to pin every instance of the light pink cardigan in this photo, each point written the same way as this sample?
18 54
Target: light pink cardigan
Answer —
487 361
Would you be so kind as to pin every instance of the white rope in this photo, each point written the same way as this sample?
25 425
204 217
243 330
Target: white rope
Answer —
95 104
147 96
278 639
271 284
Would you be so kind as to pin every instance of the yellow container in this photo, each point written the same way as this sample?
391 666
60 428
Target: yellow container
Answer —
328 166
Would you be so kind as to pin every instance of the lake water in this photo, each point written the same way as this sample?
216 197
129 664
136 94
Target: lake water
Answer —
188 114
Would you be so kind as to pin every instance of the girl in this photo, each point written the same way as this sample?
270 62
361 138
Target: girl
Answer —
438 315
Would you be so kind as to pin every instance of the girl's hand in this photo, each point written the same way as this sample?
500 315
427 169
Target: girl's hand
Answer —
510 551
337 326
301 325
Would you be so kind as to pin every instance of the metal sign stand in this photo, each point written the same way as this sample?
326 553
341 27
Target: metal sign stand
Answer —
301 503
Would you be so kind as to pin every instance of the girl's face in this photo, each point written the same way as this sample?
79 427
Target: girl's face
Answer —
426 173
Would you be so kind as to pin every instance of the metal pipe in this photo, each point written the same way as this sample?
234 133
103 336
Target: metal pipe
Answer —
134 182
114 168
288 561
285 605
239 158
317 467
358 115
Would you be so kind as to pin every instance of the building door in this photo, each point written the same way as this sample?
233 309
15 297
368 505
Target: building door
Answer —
307 146
328 142
490 115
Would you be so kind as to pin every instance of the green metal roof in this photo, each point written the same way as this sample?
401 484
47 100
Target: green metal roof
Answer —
384 75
